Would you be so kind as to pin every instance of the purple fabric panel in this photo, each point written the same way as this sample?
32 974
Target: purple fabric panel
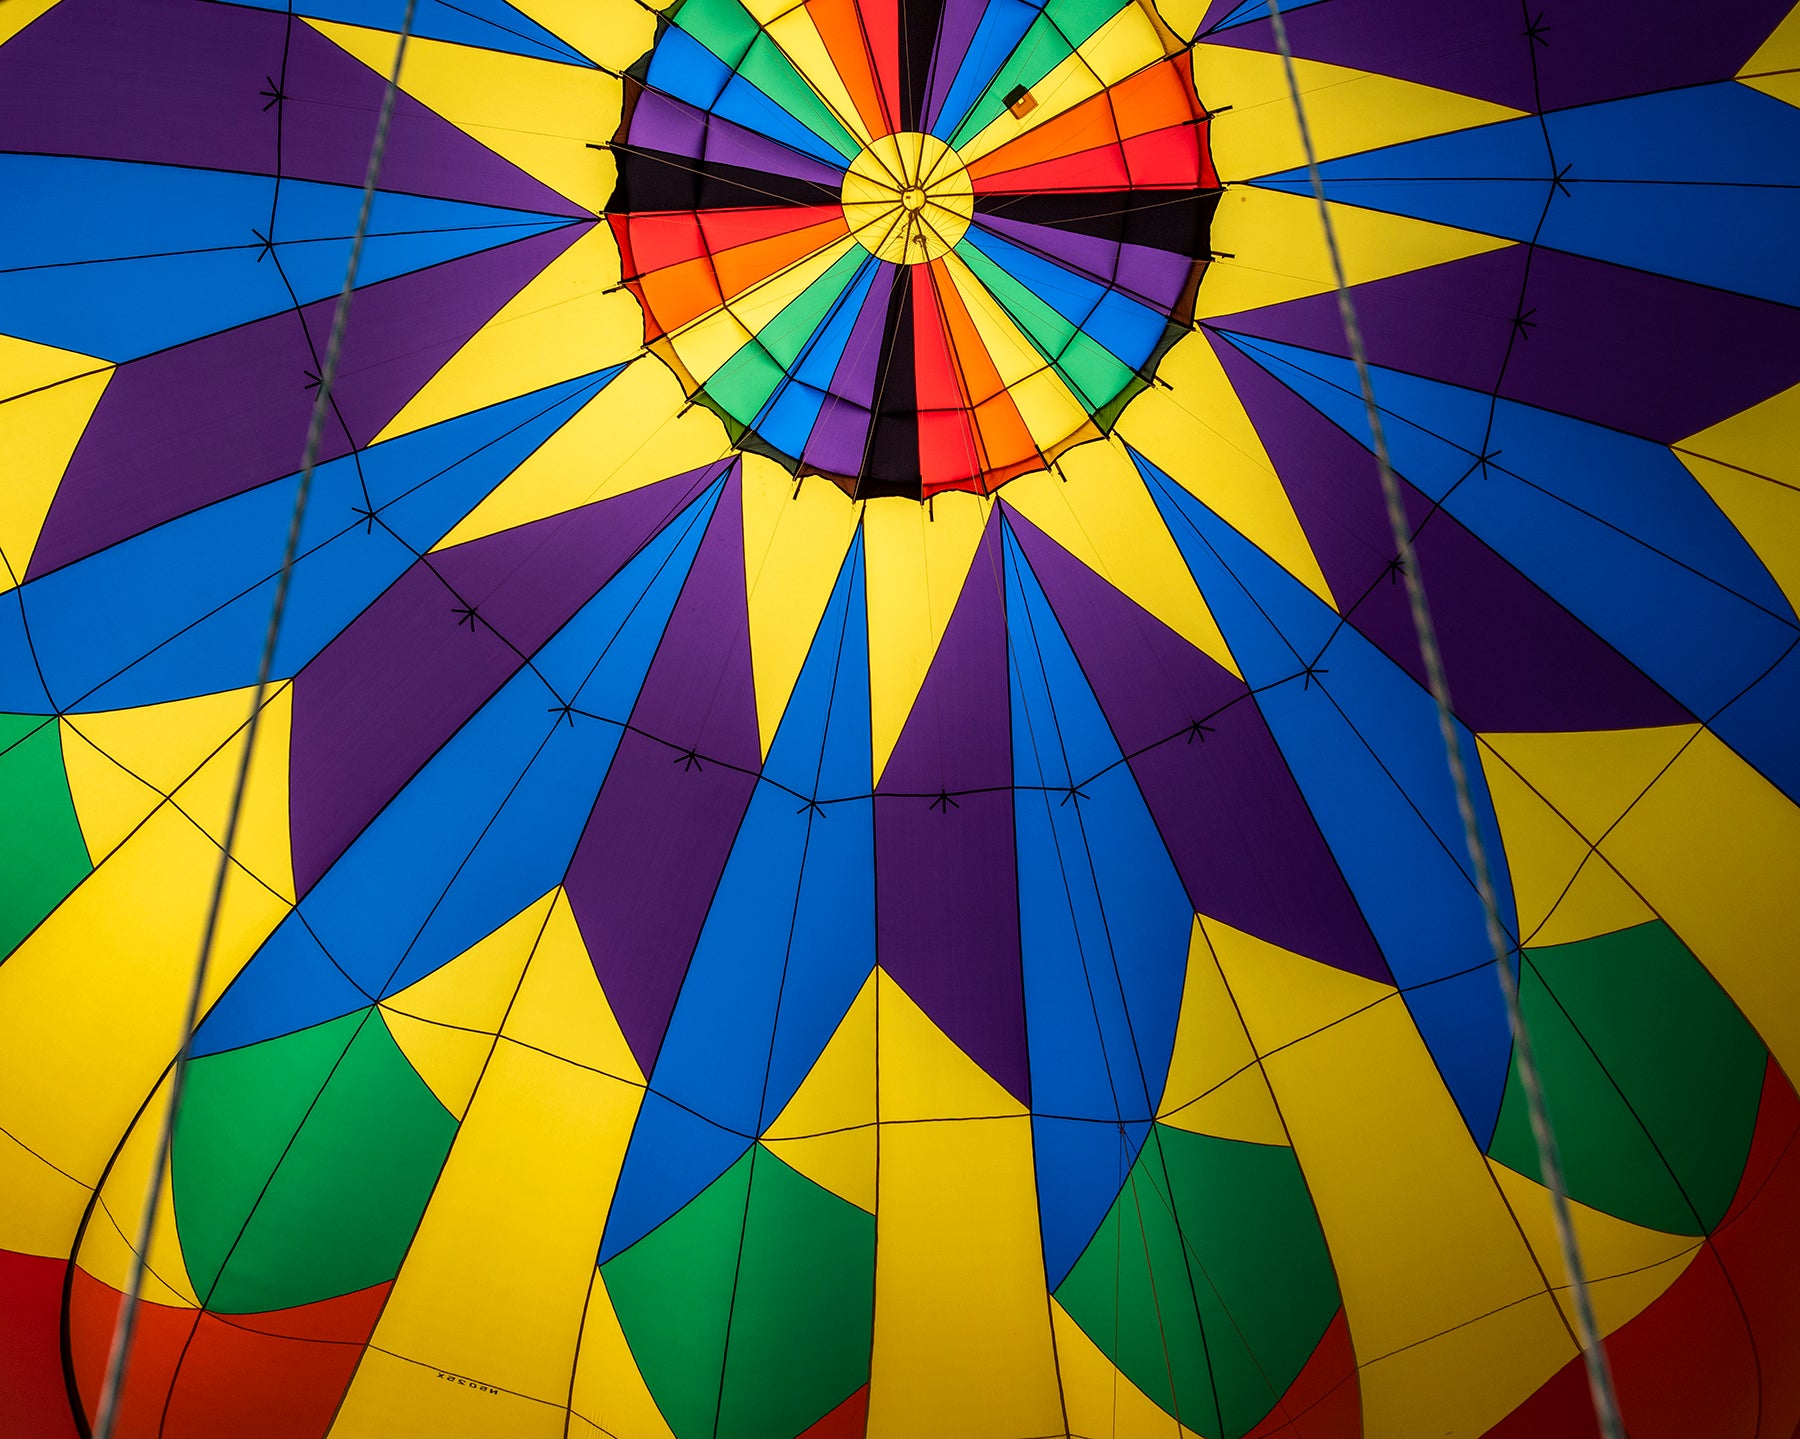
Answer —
1632 351
656 843
838 438
181 82
380 700
1239 832
1155 276
946 900
960 19
192 425
854 378
1591 49
662 123
1516 660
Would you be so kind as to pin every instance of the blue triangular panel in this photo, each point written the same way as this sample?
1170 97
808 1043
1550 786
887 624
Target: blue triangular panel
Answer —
1104 925
488 24
183 609
490 823
790 938
1614 528
163 254
1363 743
1694 183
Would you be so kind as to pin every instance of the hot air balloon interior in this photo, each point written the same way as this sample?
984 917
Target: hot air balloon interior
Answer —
925 719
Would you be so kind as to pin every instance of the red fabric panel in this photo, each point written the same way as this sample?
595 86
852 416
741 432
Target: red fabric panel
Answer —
1324 1401
34 1400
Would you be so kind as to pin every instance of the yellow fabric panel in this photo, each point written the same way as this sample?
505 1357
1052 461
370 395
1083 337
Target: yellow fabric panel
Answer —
1765 511
26 365
1461 1383
963 1335
799 39
1759 439
918 558
260 845
1099 1399
612 32
1592 779
393 1397
539 114
38 433
560 1007
448 1059
636 431
474 990
1199 434
1775 67
1240 1108
108 972
1280 996
1421 1239
1348 111
1712 847
963 1345
924 1075
1564 891
1102 514
109 800
1130 41
122 764
963 1342
1751 468
17 14
562 324
494 1284
1627 1266
109 1243
795 539
1278 253
827 1130
1051 413
607 1382
40 1206
1215 1085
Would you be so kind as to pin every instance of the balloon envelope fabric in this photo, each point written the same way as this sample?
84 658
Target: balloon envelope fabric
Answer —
847 836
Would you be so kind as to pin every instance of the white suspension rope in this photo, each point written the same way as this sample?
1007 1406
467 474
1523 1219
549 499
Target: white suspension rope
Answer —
1599 1371
125 1326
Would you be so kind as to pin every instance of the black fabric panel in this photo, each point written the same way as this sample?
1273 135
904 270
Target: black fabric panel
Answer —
1179 221
650 181
891 461
919 22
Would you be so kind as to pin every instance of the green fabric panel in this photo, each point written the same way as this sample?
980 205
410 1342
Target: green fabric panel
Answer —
801 1328
42 853
342 1202
1217 1330
774 74
239 1109
1063 28
724 27
727 29
744 383
672 1292
1652 1076
747 381
1092 371
784 1269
